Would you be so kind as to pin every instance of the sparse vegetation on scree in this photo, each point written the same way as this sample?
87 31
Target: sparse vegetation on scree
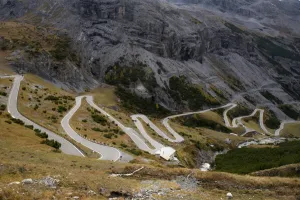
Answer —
134 103
198 121
195 96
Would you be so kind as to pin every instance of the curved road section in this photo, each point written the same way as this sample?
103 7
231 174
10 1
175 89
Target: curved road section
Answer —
277 132
238 120
106 152
12 107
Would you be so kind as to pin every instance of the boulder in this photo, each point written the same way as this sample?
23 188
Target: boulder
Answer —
229 195
27 181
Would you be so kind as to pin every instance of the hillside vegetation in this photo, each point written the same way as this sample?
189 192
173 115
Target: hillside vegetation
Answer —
247 160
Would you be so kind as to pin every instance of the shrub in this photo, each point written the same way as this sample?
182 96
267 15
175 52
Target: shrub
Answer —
3 94
36 107
29 126
37 130
99 119
61 109
124 145
84 120
7 121
52 143
272 121
61 48
41 135
96 129
2 107
108 135
51 98
17 121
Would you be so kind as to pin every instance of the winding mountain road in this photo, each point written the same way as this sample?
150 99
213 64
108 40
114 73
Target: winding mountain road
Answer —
140 139
238 120
12 107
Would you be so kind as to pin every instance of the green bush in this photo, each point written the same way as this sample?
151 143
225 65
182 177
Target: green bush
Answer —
96 129
52 98
29 126
52 143
272 121
17 121
99 119
3 94
61 109
108 135
3 107
41 135
61 49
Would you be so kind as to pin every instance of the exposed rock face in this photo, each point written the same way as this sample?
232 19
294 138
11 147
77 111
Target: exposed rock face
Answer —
187 40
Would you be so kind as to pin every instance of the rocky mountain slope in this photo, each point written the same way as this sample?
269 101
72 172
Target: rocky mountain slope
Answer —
227 50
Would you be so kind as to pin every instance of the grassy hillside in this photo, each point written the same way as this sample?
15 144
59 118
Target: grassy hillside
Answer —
22 156
247 160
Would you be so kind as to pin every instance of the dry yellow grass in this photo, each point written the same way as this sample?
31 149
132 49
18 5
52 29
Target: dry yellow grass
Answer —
291 130
105 96
22 34
213 116
22 156
200 134
253 125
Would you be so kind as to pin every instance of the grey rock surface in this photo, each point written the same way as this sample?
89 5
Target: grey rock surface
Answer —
214 43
